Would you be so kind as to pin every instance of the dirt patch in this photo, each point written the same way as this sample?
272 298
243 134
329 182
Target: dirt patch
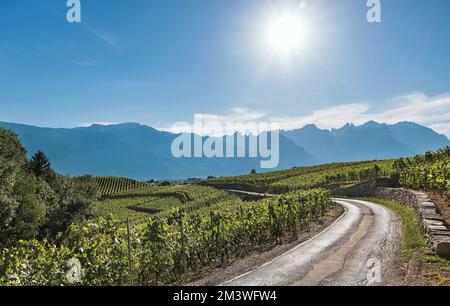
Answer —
257 258
427 269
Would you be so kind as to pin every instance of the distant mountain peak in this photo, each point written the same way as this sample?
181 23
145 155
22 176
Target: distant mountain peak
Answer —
348 125
311 126
372 123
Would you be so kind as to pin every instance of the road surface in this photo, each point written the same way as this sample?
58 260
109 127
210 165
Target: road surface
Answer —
358 249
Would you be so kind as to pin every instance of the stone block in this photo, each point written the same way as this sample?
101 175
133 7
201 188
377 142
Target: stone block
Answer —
443 248
431 214
427 205
434 228
428 222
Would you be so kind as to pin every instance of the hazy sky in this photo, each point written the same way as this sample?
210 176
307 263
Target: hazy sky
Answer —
161 61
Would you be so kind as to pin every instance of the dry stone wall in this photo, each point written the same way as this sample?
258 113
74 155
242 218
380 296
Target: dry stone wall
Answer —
436 230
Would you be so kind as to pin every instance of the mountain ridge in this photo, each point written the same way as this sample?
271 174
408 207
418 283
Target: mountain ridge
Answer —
142 152
371 140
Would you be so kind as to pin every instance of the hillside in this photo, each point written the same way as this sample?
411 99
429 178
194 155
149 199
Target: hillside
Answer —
180 231
141 152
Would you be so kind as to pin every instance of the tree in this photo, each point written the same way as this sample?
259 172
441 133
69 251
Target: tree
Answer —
76 199
12 162
35 201
253 171
31 211
40 165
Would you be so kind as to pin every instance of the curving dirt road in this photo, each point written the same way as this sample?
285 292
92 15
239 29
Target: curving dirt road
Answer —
358 249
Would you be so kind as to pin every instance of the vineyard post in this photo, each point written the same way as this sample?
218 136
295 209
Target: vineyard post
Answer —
129 250
183 259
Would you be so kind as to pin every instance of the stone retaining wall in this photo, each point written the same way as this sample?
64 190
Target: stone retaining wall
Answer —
433 224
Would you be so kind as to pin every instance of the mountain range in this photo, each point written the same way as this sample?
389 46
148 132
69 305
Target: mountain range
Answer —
369 141
142 152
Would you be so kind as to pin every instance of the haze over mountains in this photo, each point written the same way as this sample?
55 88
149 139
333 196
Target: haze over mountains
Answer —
369 141
141 152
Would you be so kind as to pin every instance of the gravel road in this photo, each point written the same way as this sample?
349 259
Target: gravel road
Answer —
358 249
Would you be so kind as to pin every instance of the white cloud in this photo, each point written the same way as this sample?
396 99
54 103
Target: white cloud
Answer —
236 119
237 114
326 118
443 128
433 112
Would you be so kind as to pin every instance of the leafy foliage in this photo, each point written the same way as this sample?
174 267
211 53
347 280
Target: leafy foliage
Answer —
36 202
165 248
21 211
430 171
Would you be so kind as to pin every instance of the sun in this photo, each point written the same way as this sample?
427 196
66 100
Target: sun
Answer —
286 34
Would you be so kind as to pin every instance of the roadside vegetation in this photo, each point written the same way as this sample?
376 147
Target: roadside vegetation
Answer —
429 172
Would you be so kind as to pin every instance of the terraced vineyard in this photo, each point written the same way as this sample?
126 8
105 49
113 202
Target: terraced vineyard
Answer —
112 185
138 201
308 177
125 198
141 203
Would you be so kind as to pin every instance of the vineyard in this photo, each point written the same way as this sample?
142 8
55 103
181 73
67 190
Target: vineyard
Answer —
311 177
429 172
165 249
112 185
141 203
182 230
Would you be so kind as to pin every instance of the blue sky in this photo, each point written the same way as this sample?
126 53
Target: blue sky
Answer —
162 61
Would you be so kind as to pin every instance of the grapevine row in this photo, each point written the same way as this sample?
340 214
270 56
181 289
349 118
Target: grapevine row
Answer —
166 248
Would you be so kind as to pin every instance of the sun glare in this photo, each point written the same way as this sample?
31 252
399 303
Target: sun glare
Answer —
286 34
